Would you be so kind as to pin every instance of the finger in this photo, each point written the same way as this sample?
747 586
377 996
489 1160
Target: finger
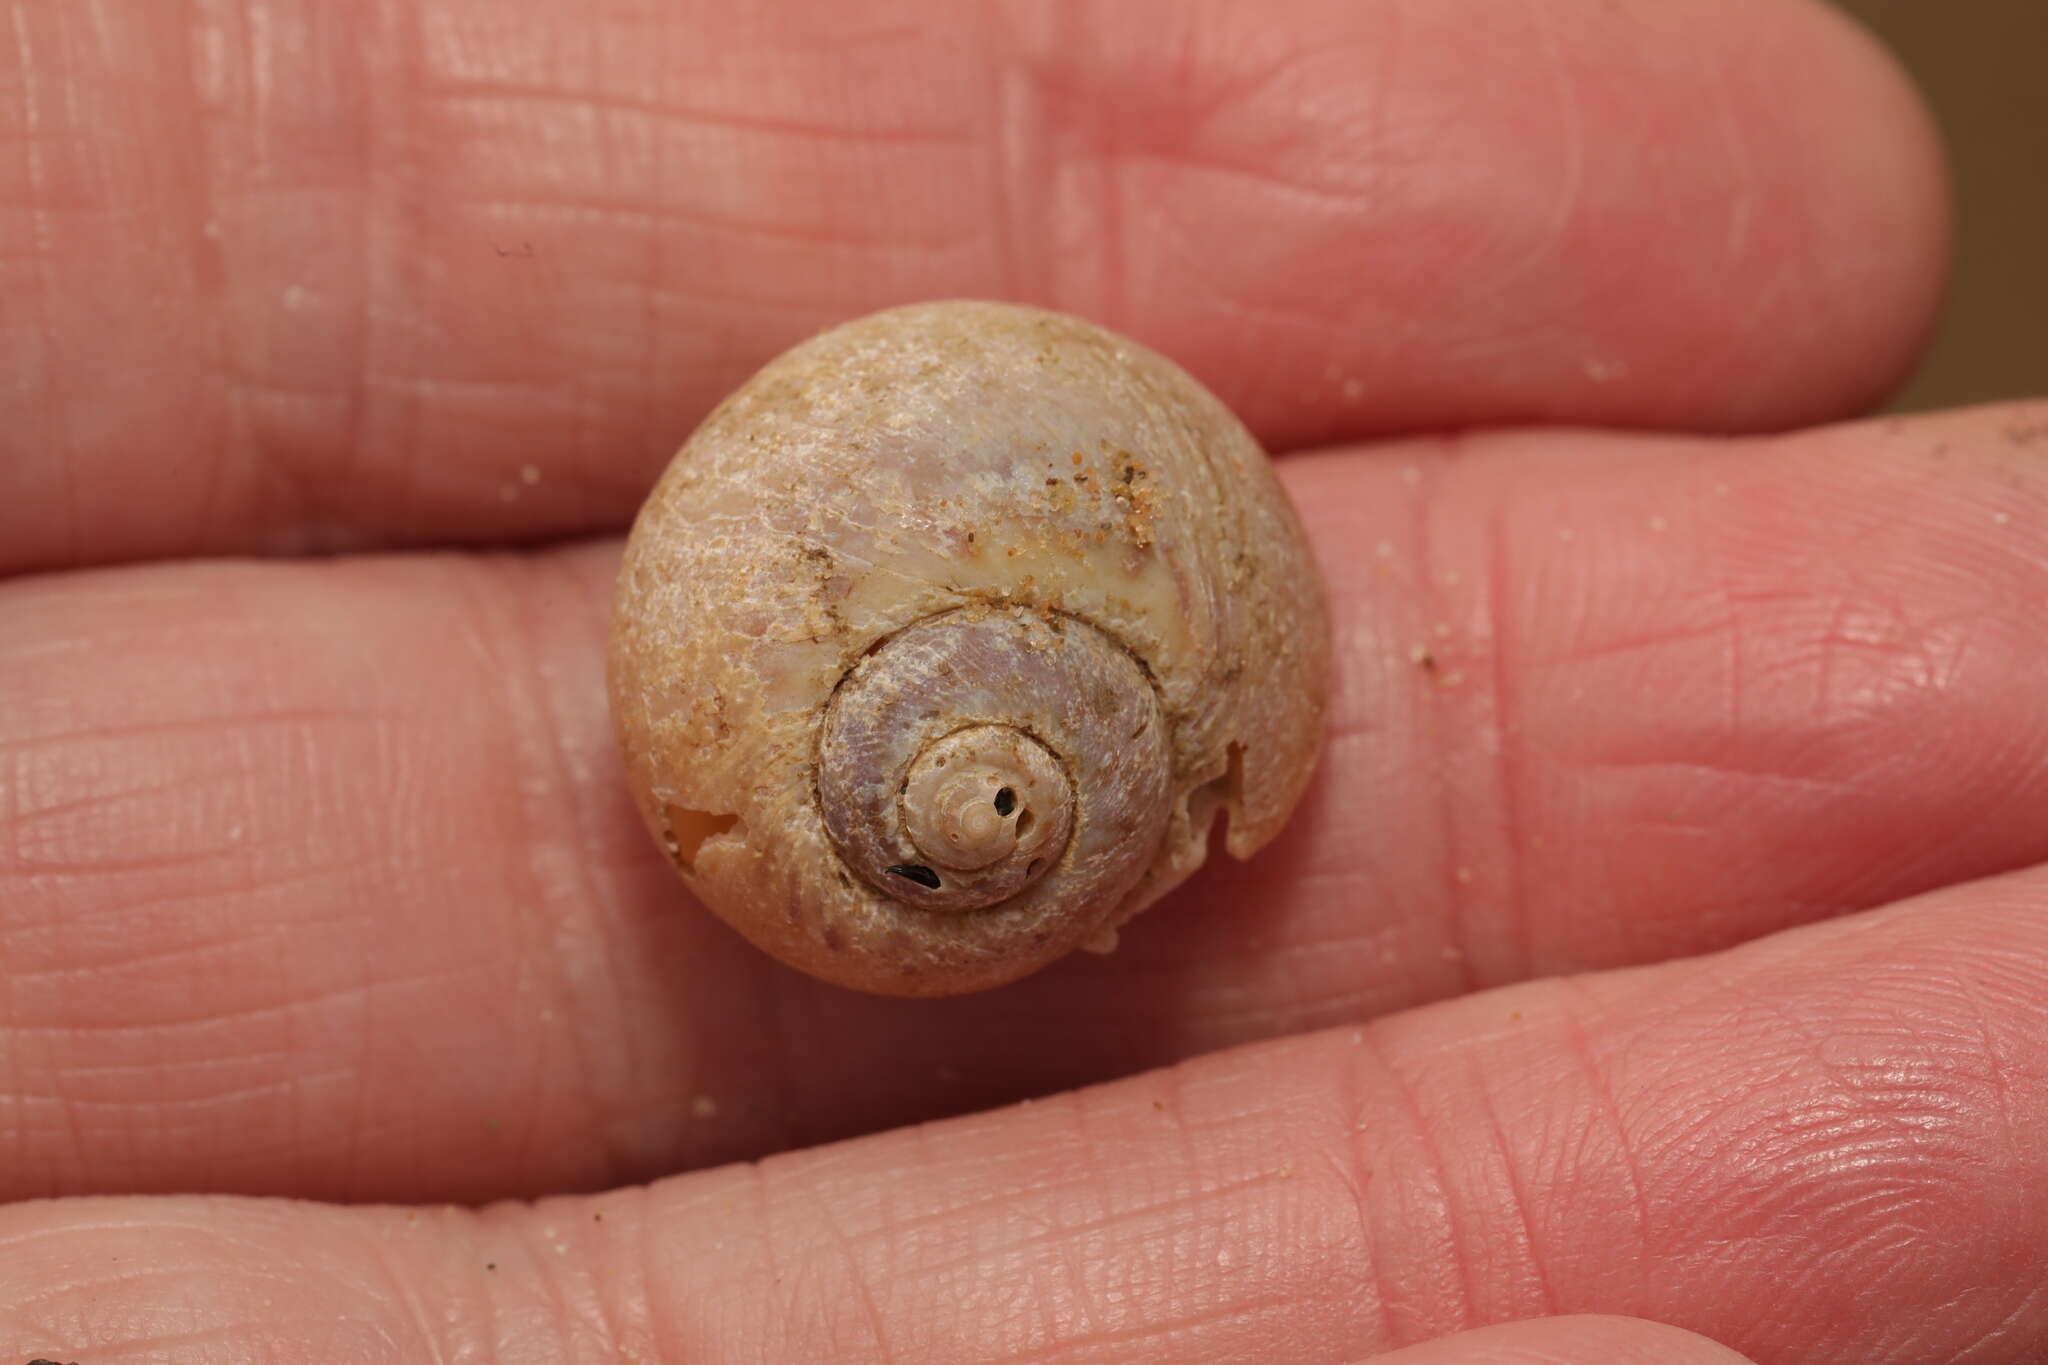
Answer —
1828 1147
292 853
1582 1340
464 270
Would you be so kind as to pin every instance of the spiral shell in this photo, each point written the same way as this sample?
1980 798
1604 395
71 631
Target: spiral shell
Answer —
943 640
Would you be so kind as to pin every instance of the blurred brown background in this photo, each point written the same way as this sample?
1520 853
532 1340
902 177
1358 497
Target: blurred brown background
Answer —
1984 65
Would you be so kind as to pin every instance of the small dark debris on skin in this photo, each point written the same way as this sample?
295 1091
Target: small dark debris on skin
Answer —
916 872
40 1361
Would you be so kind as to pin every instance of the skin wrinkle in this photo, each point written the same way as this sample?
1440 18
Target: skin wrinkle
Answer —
582 208
1797 1022
1320 999
1573 1029
290 716
1164 1335
1649 641
491 631
409 1293
1782 304
657 345
1097 1231
780 1270
666 1313
1816 787
1263 180
124 1077
72 1155
111 971
1084 199
1745 193
395 45
535 721
622 1307
616 1306
1122 264
46 864
1783 301
1837 1113
195 954
1006 150
716 122
51 372
144 906
1354 1170
1570 191
1213 105
1208 275
1173 1105
1517 1189
2009 1331
853 1267
357 1126
1451 792
1068 1303
175 1234
2002 1085
272 404
1504 644
1449 1243
1020 174
1719 758
604 879
1055 1236
549 1269
660 111
209 266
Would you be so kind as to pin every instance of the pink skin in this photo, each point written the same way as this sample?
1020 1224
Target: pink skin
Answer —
1578 1340
285 276
288 843
318 879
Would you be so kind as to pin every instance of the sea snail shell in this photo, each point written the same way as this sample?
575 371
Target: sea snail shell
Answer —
942 641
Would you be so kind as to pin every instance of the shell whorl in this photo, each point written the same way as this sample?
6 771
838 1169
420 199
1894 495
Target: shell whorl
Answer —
995 756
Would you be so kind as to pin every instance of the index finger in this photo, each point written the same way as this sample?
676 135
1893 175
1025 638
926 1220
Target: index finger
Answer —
464 270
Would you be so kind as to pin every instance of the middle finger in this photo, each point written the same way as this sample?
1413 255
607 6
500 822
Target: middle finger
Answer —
322 880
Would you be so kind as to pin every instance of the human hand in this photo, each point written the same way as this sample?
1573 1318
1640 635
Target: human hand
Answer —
318 879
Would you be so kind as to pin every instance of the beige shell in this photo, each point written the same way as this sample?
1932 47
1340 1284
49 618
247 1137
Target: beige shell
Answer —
940 644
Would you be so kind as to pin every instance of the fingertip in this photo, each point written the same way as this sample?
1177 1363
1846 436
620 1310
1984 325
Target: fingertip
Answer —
1575 1340
1878 246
